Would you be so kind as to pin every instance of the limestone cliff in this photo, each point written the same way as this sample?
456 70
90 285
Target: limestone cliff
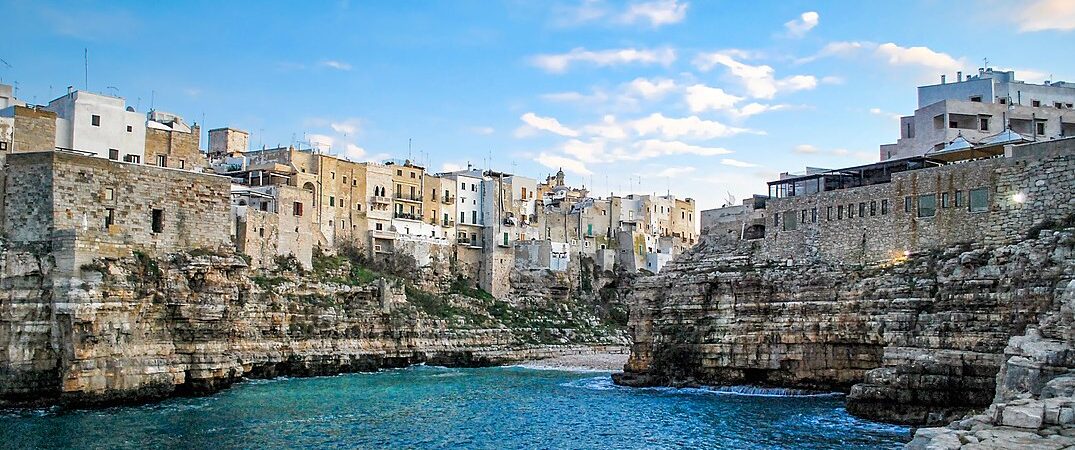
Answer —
918 339
137 328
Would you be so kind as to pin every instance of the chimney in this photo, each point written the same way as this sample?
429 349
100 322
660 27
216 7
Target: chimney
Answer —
70 89
942 79
959 76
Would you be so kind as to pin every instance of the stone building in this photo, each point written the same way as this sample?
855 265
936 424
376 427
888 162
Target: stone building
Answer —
979 108
86 207
170 142
887 210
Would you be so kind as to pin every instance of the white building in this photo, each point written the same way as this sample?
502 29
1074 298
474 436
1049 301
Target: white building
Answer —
99 125
468 206
982 106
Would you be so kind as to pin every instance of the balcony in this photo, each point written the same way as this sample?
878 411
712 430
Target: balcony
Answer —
447 223
380 200
408 216
449 200
408 197
476 243
382 234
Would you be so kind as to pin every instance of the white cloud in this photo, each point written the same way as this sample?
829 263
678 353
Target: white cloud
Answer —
338 65
560 162
838 48
759 81
917 56
450 167
320 141
598 96
674 172
798 28
736 163
657 13
674 128
751 109
805 149
882 113
560 62
484 131
607 129
602 151
650 89
652 148
703 98
354 152
349 126
550 124
1042 15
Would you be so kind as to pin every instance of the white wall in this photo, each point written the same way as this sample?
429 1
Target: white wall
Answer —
77 131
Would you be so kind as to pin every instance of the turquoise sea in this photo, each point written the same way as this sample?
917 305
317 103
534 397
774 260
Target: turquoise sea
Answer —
433 407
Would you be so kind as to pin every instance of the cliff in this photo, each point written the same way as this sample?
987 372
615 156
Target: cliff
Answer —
916 339
138 328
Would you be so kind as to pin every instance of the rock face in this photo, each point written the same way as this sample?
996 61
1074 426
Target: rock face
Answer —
1034 407
140 328
915 340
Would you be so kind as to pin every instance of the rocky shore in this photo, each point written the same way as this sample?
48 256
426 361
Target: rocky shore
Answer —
597 359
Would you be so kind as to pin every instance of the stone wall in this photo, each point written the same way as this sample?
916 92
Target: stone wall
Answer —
35 130
181 150
257 234
830 226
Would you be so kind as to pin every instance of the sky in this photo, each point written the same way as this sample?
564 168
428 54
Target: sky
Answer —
703 99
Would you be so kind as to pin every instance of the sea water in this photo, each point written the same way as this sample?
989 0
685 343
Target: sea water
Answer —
433 407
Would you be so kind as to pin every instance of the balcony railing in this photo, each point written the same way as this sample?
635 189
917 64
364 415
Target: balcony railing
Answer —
408 216
449 200
380 199
413 198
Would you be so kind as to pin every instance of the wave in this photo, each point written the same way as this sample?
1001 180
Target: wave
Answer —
606 384
537 365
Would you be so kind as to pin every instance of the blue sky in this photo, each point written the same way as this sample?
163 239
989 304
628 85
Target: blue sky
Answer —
704 98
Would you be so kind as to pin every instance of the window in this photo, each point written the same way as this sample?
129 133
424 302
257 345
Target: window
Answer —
110 194
884 206
927 205
1035 103
839 212
130 129
296 208
3 146
976 98
1058 105
261 232
345 179
959 199
813 215
983 123
332 175
113 154
462 218
1041 127
1002 101
907 204
873 207
828 213
133 159
110 217
791 222
399 172
331 201
802 216
851 211
182 164
978 200
162 161
412 174
158 220
95 120
474 217
463 186
944 200
378 226
862 209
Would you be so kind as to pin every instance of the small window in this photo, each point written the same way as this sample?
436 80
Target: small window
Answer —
162 161
851 211
182 164
839 212
976 98
3 146
1002 101
884 206
802 216
978 200
791 221
296 208
110 217
959 199
813 215
927 205
944 200
113 154
110 194
331 201
983 123
873 207
399 172
378 226
133 159
333 175
1058 105
130 129
828 213
473 187
95 120
862 209
907 204
158 220
261 232
412 174
1041 128
1035 103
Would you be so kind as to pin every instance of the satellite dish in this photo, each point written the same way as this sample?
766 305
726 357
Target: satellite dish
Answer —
130 109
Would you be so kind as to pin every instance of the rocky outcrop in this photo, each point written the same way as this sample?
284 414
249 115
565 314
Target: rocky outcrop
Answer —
139 328
1034 407
917 339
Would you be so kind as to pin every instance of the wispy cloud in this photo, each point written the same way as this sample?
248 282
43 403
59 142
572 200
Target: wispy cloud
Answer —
534 122
759 81
561 62
655 13
736 163
798 28
1044 15
673 172
333 64
895 55
559 162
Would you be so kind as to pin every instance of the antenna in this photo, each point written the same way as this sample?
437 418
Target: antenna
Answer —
113 88
409 148
152 99
86 66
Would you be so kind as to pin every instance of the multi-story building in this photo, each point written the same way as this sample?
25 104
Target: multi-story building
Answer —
468 206
988 108
408 217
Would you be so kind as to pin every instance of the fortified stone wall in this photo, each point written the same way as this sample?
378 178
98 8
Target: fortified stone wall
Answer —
181 149
35 130
257 234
